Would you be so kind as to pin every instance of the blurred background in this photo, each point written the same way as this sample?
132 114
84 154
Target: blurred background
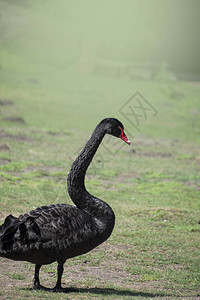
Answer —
87 58
140 35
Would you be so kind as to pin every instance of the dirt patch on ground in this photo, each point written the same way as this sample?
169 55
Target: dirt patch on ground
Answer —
17 137
6 102
14 119
4 147
153 154
194 184
33 80
4 161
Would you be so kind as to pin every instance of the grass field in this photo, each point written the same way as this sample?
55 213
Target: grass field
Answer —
47 112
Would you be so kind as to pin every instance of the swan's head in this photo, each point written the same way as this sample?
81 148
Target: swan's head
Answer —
116 128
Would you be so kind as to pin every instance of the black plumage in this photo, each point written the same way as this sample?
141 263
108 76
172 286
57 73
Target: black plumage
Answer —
58 232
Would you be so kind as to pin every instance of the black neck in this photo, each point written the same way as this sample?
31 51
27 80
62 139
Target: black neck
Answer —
76 186
76 177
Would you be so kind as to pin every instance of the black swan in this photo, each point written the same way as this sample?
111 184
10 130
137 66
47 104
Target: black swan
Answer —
58 232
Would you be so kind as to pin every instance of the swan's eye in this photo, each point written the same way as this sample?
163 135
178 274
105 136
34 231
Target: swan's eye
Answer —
123 136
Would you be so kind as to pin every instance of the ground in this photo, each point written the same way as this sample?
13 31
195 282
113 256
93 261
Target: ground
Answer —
149 253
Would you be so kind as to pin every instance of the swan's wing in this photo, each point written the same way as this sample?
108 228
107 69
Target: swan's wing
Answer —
60 220
65 226
47 227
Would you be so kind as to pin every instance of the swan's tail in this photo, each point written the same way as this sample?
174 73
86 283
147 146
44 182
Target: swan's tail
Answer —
17 235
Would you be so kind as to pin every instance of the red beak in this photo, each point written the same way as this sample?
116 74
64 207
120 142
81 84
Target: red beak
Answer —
123 136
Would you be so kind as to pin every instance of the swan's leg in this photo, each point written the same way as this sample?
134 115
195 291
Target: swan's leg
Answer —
58 287
36 281
59 274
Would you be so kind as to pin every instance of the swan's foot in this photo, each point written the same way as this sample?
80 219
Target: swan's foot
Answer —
56 289
38 286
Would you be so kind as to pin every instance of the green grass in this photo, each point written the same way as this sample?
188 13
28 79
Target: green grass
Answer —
153 185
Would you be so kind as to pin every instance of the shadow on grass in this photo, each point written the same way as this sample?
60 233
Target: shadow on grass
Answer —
104 291
107 291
